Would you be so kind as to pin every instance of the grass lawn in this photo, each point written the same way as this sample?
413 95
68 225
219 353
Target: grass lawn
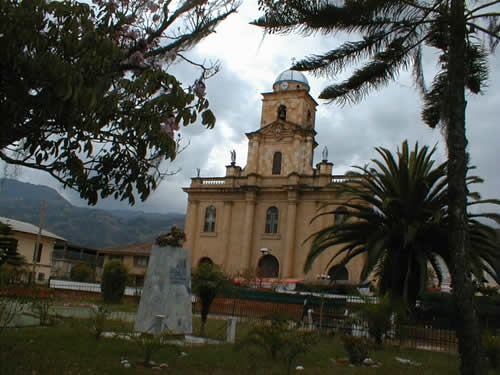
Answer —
70 349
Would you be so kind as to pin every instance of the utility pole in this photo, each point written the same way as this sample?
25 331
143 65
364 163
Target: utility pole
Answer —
37 242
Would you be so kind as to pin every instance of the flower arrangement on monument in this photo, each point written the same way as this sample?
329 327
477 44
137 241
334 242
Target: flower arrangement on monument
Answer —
174 238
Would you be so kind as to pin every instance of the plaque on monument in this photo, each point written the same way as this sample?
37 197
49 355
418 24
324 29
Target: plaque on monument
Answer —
165 304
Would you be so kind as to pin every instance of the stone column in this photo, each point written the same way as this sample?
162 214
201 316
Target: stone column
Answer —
289 260
226 232
248 230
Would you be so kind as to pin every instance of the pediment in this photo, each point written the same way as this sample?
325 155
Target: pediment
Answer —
281 129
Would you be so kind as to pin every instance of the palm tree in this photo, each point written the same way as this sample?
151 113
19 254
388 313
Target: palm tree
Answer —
398 219
394 33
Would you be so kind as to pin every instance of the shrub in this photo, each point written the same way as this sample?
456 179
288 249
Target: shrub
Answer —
81 272
491 348
99 318
377 317
149 343
41 308
114 279
277 340
356 348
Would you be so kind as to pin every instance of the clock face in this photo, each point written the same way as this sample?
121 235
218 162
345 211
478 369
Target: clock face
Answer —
284 85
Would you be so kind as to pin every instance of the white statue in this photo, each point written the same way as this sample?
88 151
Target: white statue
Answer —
325 153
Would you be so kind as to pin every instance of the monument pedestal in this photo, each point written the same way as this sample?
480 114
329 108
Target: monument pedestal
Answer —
166 293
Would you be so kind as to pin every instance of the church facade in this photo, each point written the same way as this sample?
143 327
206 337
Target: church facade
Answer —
257 218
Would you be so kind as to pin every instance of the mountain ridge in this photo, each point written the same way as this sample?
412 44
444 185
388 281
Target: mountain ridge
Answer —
92 227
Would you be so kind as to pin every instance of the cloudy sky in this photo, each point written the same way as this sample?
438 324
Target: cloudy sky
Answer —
250 64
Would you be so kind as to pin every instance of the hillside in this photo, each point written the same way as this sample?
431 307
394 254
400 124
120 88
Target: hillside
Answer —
85 226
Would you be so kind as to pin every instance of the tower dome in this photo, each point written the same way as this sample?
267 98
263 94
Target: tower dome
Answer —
291 79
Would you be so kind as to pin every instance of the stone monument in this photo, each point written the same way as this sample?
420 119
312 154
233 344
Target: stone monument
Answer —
165 304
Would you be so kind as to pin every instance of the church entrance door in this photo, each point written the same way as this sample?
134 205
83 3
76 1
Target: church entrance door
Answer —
268 267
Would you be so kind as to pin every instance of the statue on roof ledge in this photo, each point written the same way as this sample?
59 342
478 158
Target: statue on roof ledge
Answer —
233 157
325 153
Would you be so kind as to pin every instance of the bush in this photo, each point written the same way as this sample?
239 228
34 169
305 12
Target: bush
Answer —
98 320
114 279
81 272
40 306
491 348
277 340
377 317
356 348
149 343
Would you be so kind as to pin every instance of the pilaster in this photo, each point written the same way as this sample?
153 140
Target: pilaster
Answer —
226 233
291 219
246 258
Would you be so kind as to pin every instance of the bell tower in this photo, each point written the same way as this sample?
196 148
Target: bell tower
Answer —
289 101
284 143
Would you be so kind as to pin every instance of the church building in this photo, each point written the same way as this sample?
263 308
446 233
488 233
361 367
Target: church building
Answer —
257 218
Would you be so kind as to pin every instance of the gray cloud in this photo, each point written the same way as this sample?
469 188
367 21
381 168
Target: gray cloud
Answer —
249 65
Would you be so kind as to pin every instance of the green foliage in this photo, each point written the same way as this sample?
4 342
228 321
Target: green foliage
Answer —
114 280
356 348
98 320
65 350
10 274
8 247
491 349
149 343
377 316
393 35
207 281
86 94
81 272
398 217
278 340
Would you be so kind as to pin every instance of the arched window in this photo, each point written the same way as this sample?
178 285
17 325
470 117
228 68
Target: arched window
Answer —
340 215
282 112
209 219
277 163
272 220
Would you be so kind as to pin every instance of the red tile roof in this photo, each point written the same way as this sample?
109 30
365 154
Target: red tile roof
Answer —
141 248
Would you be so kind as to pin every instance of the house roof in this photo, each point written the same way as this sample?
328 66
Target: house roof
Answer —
21 226
140 248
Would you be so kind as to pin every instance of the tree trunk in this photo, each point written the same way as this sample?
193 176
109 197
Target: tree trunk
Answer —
467 325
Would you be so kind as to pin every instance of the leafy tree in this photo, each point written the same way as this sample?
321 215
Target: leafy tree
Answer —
8 247
398 218
81 272
394 33
114 280
207 281
85 89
